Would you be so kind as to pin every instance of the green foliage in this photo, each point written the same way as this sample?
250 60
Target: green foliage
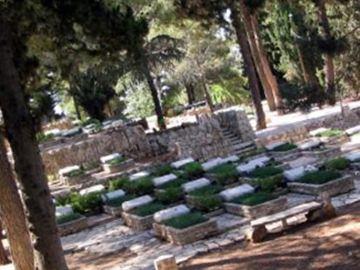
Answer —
67 218
169 195
207 203
162 170
90 121
148 209
225 174
137 101
186 221
284 147
330 133
192 170
118 183
337 164
139 187
206 191
117 202
265 172
173 184
269 184
76 173
41 137
319 177
90 203
253 199
117 161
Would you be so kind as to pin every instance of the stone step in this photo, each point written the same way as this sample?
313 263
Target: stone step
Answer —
243 145
241 152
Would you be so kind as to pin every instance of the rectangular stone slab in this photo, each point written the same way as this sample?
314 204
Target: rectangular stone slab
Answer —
273 145
180 163
65 171
113 195
309 144
138 175
135 203
297 173
212 163
232 193
108 158
172 212
353 130
318 131
232 158
158 181
63 211
353 156
196 184
96 188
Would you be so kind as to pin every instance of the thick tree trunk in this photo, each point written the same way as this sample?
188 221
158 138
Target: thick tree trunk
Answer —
77 110
266 65
207 94
154 94
13 216
40 210
329 61
249 66
189 87
3 256
256 56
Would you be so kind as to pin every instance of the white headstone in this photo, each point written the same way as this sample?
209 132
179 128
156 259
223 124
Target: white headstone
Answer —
96 188
318 131
180 163
353 130
65 171
61 211
55 132
113 195
309 144
297 173
135 203
172 212
232 193
232 158
158 181
106 159
196 184
212 163
138 175
302 161
353 156
253 164
273 145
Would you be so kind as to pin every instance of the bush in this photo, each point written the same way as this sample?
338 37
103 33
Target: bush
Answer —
63 200
41 137
117 202
265 172
186 221
172 184
285 147
207 203
76 173
90 203
192 170
67 218
330 133
116 161
254 198
118 183
148 209
269 184
204 191
337 164
162 170
225 174
320 177
139 187
170 195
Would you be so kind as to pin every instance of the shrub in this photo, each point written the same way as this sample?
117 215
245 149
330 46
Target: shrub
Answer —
76 173
116 161
186 221
285 147
265 172
337 164
41 137
204 191
67 218
320 177
117 202
192 170
170 195
63 200
254 198
118 183
207 203
269 184
172 184
225 174
90 203
148 209
139 187
162 170
330 133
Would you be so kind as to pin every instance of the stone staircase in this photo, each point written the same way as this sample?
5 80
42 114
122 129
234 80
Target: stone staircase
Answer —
237 145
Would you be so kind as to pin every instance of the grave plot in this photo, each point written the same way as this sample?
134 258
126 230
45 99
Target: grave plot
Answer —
69 221
330 136
314 148
116 163
113 201
224 174
180 226
283 151
353 131
74 175
354 159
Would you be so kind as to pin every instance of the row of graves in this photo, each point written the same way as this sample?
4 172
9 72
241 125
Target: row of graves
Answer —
181 201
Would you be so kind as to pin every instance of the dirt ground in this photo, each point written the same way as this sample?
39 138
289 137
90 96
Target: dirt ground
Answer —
334 244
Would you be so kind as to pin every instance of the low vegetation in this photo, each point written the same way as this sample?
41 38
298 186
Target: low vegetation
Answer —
139 187
170 195
87 204
225 174
207 203
116 161
320 177
253 199
162 170
192 170
337 164
76 173
207 190
265 172
118 183
270 184
117 202
330 133
285 147
67 218
148 209
41 137
186 221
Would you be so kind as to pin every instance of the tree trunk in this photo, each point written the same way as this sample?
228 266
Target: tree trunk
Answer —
207 94
256 56
13 216
249 66
329 61
154 94
3 256
266 65
40 210
77 110
189 87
